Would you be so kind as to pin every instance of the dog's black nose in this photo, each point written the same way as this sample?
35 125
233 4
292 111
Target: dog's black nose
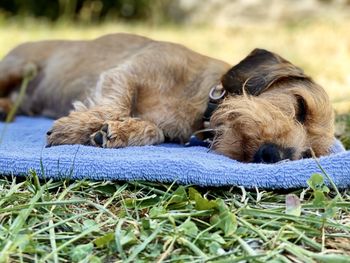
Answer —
272 153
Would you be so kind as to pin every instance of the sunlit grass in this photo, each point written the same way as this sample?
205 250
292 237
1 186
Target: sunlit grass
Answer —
84 221
321 48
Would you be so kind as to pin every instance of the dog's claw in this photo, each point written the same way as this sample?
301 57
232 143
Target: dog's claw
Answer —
49 144
100 138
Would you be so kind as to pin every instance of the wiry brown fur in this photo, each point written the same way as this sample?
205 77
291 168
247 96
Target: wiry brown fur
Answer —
246 122
130 90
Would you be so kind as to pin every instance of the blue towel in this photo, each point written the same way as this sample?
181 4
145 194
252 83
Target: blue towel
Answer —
23 148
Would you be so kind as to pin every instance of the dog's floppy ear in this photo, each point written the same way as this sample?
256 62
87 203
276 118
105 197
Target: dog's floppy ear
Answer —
258 71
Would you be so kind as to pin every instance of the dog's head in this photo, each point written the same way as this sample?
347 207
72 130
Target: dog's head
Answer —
274 112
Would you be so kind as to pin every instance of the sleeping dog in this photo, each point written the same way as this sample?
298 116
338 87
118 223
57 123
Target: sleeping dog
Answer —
125 90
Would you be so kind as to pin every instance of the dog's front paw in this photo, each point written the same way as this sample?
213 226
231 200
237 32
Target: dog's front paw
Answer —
60 134
69 130
127 132
111 135
57 136
99 138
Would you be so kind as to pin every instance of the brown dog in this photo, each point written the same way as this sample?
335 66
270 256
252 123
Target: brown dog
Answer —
128 90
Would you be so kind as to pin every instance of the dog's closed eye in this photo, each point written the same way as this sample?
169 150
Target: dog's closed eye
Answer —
301 109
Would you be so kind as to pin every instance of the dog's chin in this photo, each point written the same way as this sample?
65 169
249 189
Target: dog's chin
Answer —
240 147
267 153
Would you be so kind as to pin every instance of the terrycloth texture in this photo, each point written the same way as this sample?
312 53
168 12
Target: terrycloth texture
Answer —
23 148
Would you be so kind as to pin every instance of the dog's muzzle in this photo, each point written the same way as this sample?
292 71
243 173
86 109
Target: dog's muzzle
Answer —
272 153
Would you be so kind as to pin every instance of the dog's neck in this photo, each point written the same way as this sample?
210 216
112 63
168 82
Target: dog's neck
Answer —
204 137
216 95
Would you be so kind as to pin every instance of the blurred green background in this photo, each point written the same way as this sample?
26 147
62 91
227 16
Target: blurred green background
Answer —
313 34
84 10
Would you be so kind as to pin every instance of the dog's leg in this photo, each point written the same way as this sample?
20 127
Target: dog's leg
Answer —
112 124
92 127
10 77
13 72
77 127
127 132
113 91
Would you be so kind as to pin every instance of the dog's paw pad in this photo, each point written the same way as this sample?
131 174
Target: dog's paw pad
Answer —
99 138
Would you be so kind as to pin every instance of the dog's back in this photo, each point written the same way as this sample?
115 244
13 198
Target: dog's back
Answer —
135 91
67 70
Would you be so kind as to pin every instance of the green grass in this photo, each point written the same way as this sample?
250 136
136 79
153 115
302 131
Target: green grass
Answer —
343 129
319 47
84 221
